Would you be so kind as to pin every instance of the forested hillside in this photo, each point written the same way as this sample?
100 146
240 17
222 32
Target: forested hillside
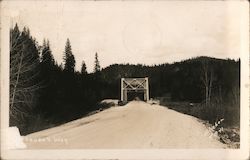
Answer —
44 94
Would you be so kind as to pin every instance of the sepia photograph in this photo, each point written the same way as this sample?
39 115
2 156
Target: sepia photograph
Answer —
134 78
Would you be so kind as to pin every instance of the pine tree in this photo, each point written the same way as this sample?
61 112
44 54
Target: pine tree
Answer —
97 67
84 68
69 59
47 58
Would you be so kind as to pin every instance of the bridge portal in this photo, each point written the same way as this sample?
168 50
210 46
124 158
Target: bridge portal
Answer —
139 85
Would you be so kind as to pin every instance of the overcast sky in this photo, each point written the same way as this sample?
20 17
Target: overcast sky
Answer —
133 32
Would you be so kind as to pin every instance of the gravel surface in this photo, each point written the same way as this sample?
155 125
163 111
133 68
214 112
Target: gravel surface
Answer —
133 126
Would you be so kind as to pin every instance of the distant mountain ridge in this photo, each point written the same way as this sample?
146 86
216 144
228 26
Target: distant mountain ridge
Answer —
177 77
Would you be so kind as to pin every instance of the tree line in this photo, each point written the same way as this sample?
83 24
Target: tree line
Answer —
44 94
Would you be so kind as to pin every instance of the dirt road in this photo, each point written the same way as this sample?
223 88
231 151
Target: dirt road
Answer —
135 125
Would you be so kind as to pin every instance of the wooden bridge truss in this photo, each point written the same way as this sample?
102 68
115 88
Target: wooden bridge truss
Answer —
134 84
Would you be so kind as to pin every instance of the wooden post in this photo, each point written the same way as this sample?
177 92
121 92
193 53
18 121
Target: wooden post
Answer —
125 95
145 95
122 88
147 89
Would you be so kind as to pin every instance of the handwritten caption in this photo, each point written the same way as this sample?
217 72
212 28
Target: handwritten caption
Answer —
46 139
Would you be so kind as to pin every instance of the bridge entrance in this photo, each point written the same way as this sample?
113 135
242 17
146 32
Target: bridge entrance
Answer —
134 87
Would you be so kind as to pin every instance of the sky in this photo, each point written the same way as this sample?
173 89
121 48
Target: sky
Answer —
145 32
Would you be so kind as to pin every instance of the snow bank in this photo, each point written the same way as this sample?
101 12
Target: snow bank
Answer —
110 101
153 101
12 138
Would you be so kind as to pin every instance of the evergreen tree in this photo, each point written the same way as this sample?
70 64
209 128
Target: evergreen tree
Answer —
47 59
24 77
69 59
84 68
97 67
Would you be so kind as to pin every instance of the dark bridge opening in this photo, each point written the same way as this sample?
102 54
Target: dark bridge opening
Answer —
135 95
